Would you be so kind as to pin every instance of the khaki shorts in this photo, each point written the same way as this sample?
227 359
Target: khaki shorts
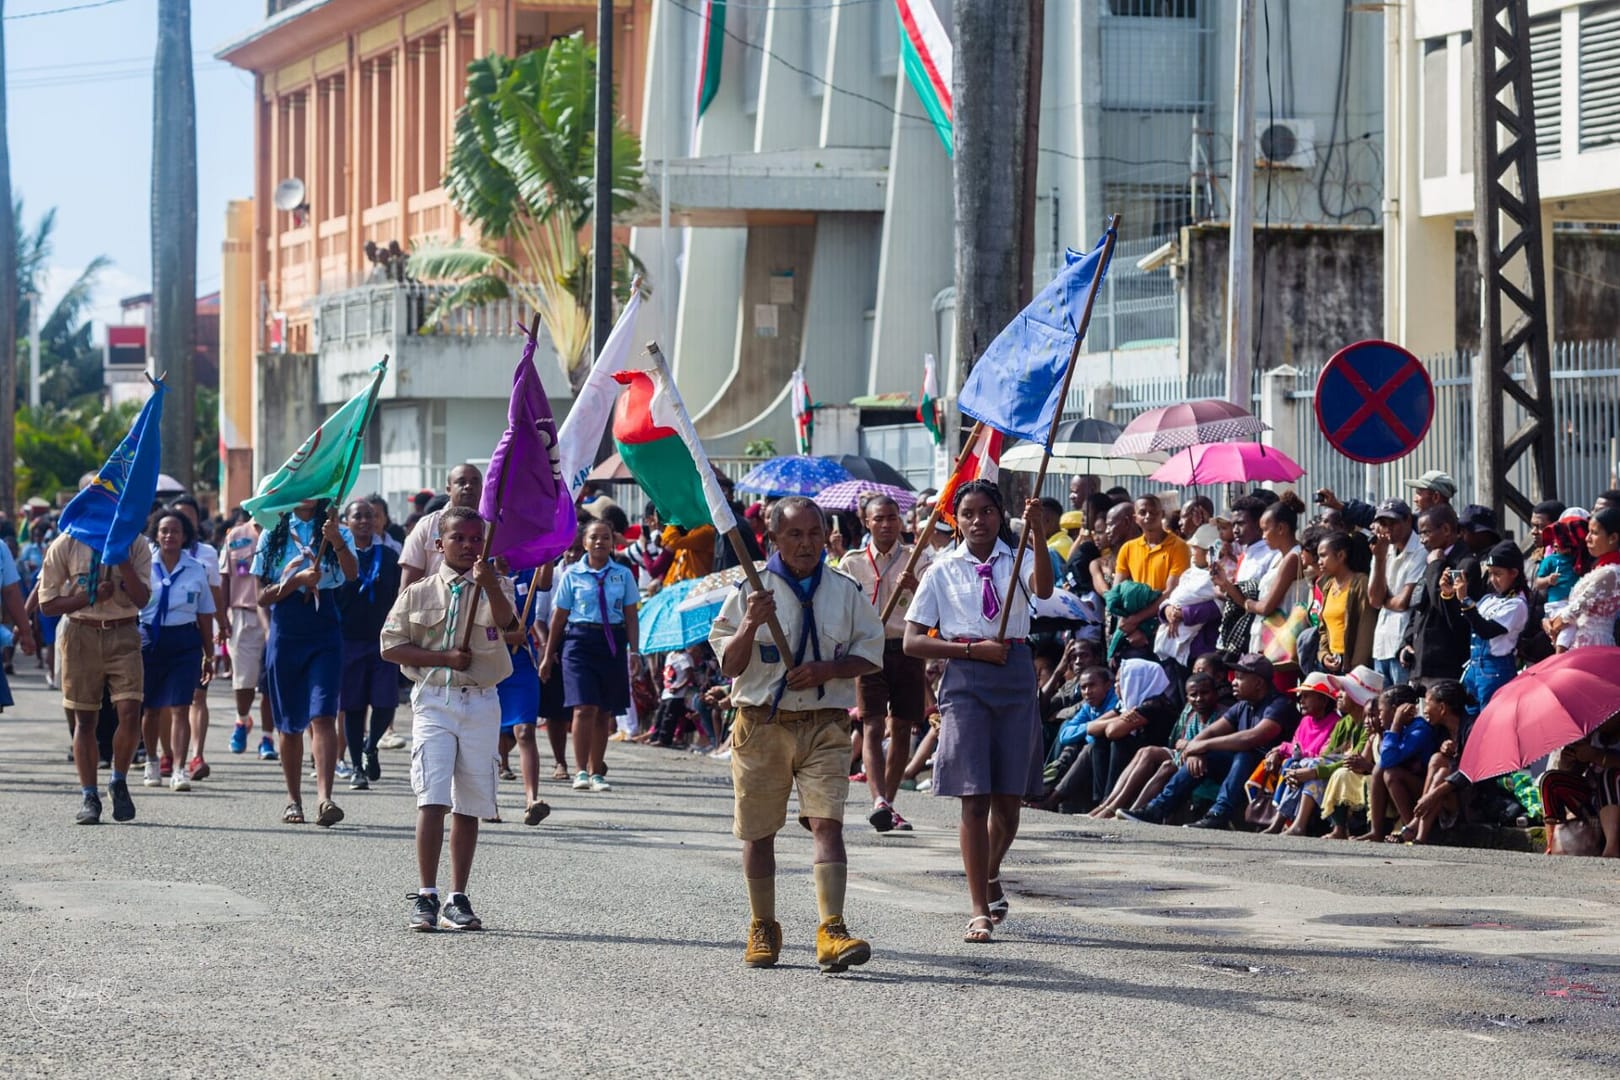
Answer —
455 748
769 754
247 648
94 659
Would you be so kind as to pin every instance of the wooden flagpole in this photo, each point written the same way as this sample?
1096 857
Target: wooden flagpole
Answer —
1057 416
489 531
928 530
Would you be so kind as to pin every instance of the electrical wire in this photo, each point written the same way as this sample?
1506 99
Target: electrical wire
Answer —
1341 93
62 10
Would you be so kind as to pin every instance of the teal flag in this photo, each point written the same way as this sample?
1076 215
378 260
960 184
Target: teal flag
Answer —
326 466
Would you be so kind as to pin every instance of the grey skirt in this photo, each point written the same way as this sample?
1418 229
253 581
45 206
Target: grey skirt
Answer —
990 731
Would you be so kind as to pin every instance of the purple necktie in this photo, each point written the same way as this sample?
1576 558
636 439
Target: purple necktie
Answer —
601 599
989 602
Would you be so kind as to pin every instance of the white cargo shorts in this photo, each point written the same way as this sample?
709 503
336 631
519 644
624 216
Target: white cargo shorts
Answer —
455 748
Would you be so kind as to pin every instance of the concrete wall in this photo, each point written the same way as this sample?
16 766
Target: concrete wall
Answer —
288 406
1585 301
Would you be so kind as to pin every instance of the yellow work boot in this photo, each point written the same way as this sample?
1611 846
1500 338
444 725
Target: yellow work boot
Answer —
764 943
836 949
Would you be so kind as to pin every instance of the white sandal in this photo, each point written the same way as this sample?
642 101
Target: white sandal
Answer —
979 935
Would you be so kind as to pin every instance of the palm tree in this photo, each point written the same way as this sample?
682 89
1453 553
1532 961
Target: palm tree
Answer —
70 365
174 233
8 303
521 171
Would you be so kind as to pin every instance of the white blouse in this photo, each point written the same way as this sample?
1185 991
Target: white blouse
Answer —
1510 613
1593 606
951 595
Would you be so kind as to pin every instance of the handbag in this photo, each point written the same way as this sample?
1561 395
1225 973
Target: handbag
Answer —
1279 634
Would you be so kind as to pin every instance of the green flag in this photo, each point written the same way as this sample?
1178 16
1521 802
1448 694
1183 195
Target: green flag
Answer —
326 466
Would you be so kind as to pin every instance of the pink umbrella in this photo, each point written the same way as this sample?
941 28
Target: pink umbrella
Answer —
1176 427
1554 703
1227 463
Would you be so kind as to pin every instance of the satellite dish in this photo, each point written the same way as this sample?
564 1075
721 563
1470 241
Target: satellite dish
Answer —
289 195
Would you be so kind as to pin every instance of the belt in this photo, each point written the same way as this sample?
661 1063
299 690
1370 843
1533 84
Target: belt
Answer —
105 624
762 714
975 641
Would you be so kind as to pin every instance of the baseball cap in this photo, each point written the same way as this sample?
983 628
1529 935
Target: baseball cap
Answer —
1393 508
1475 518
1205 536
1253 664
1436 481
1362 685
1319 682
1505 554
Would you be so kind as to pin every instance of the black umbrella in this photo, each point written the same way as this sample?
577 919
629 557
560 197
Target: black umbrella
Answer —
872 470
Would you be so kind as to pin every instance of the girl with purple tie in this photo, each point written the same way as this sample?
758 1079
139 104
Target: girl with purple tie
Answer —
593 626
176 635
990 748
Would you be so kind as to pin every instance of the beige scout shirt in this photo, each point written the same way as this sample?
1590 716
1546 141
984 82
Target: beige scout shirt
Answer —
67 569
846 625
878 575
432 614
419 549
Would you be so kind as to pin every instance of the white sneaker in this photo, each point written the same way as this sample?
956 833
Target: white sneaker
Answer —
582 782
153 776
599 783
391 741
181 780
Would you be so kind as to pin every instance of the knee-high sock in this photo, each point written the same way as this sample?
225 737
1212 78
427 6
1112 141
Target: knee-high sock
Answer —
831 880
354 733
381 721
762 898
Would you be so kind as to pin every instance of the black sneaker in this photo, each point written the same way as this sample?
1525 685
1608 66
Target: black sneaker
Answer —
458 915
369 764
424 912
882 817
123 805
1209 821
89 811
1143 816
358 781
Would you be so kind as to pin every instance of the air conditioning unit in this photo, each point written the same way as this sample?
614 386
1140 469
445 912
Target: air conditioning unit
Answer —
1286 144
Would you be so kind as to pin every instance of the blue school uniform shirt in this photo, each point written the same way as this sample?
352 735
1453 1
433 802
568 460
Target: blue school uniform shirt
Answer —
576 592
309 534
189 594
8 567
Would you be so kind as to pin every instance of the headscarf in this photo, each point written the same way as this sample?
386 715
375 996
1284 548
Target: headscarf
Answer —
1139 681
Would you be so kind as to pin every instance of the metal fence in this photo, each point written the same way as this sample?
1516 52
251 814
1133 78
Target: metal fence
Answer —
1135 306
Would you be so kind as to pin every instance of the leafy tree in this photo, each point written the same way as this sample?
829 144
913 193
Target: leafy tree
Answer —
70 365
520 171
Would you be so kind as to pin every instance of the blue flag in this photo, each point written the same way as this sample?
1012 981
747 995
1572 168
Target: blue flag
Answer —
111 513
1015 386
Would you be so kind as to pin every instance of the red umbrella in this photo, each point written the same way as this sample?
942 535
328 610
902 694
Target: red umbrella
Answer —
1176 427
1559 701
1227 463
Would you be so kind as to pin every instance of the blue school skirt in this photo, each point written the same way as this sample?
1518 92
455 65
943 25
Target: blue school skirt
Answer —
520 691
303 661
369 681
171 665
592 673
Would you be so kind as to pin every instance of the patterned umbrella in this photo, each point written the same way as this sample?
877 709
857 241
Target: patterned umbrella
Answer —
1176 427
1228 463
796 474
712 589
666 623
848 495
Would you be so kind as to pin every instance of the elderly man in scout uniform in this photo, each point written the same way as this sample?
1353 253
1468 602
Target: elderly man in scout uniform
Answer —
793 722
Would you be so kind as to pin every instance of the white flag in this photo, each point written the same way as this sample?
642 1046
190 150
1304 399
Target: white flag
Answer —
580 436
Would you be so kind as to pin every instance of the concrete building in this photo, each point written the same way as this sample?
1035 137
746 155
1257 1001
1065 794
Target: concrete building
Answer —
1429 121
810 213
355 100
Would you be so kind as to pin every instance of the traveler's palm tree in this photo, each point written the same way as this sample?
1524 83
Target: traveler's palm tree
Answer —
521 171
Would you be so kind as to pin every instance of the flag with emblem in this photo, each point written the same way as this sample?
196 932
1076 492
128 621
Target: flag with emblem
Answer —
110 513
1016 385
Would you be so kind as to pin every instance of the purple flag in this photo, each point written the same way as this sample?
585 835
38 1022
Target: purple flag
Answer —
525 497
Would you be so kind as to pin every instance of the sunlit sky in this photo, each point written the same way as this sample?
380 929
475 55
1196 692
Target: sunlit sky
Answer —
79 89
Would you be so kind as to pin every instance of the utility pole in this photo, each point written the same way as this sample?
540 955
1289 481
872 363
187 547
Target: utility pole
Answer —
995 96
33 355
602 243
1240 240
8 304
174 236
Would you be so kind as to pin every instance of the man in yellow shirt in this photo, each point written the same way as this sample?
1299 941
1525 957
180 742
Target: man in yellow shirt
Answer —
1157 558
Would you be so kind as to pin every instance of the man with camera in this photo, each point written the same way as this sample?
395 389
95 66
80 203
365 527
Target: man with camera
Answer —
1436 642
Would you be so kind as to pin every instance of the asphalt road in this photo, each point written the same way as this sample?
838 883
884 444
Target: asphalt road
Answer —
207 939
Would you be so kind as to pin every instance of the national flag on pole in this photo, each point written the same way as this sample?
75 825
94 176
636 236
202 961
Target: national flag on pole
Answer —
581 435
109 514
1014 387
928 410
929 57
804 411
328 463
711 51
661 448
526 502
982 463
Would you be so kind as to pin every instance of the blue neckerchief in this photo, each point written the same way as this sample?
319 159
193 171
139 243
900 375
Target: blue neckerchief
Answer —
368 574
163 596
808 634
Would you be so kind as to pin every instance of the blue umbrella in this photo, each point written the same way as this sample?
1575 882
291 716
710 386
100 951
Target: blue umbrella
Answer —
665 627
794 475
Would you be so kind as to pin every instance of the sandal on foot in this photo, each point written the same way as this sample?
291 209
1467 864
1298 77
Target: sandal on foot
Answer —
561 773
293 815
1407 835
999 907
537 812
979 930
328 814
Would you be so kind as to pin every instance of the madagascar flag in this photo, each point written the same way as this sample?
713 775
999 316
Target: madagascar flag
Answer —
982 463
657 455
